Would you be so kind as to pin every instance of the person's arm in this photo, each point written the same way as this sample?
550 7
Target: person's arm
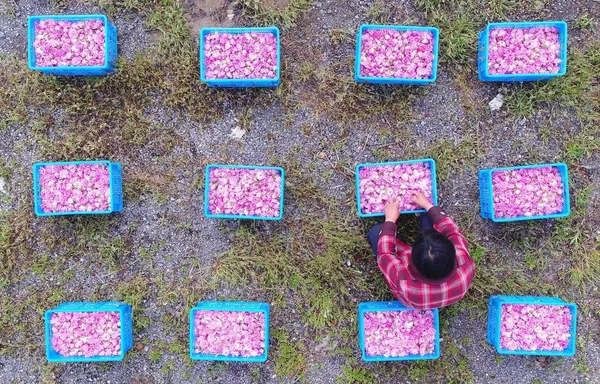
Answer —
388 242
446 226
387 257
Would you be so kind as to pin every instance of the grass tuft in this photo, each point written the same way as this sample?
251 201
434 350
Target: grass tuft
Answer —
282 13
458 37
585 22
356 375
574 90
290 360
335 93
318 260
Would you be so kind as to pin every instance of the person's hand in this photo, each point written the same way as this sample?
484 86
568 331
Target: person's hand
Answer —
421 200
392 209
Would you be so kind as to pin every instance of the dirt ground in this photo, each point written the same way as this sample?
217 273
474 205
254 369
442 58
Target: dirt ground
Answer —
162 255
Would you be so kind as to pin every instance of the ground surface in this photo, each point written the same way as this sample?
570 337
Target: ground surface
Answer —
162 256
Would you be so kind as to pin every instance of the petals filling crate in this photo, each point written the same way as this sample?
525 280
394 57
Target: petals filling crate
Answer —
72 45
394 54
83 328
229 331
77 188
243 192
240 57
378 182
528 51
527 192
532 325
388 331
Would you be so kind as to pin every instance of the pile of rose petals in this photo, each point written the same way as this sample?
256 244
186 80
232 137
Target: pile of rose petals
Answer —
527 192
392 53
229 333
523 51
251 55
86 333
532 327
74 188
379 183
244 191
60 43
399 333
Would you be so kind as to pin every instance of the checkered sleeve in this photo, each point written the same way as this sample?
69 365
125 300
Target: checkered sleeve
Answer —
390 263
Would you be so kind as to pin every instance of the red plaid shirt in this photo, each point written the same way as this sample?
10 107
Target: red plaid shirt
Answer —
407 284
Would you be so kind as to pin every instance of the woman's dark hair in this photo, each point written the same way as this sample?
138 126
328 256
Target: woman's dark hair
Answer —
433 255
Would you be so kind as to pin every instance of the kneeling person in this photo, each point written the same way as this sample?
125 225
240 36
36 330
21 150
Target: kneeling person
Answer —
436 271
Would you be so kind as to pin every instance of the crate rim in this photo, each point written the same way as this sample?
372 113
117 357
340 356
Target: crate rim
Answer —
535 301
433 184
387 306
207 30
120 307
240 217
525 24
230 306
566 203
436 39
31 52
36 197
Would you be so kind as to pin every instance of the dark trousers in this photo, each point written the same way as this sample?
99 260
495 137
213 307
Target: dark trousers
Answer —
425 224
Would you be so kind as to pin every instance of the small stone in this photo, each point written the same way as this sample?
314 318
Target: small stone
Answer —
323 344
497 102
3 186
322 155
139 347
237 133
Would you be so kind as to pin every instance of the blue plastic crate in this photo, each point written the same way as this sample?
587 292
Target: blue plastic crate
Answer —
116 188
379 306
110 61
237 306
240 83
217 216
482 62
386 80
486 195
431 163
125 312
494 318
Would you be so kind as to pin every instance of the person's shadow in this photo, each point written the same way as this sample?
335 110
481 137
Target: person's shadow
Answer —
408 228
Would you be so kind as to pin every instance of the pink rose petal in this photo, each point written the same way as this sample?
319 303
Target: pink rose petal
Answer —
399 333
393 53
523 51
251 55
75 188
377 184
86 333
244 191
531 327
229 333
69 43
527 192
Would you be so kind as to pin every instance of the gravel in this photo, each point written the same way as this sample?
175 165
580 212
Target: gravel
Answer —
187 238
